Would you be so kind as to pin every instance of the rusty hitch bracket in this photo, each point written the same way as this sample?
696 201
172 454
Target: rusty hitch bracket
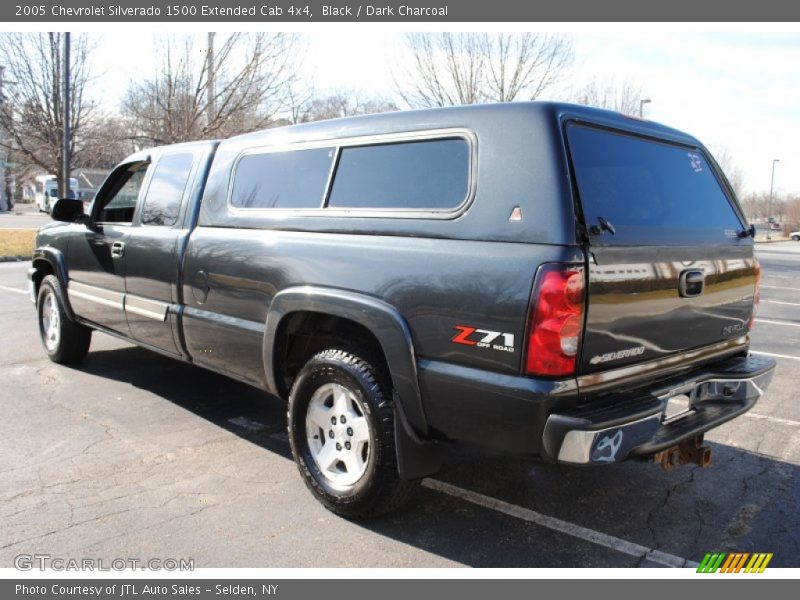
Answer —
688 451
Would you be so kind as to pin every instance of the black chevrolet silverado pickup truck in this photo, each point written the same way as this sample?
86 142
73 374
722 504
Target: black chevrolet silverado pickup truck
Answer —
539 278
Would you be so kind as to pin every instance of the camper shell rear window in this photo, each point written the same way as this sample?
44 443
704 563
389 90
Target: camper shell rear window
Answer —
651 192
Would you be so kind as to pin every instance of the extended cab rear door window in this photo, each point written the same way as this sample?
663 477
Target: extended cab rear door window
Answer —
162 202
428 175
651 192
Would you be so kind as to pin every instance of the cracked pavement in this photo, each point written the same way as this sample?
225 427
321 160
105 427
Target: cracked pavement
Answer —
133 455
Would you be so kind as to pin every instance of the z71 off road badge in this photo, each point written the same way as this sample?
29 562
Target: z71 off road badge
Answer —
483 338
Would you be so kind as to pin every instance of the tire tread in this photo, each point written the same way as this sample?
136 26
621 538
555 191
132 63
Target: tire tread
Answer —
392 491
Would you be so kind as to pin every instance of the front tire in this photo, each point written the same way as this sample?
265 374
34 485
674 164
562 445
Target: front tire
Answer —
796 238
341 429
65 341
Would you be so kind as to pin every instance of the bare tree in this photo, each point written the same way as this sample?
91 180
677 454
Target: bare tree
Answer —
792 222
524 65
445 69
299 96
344 103
731 170
32 114
105 147
236 86
624 96
756 206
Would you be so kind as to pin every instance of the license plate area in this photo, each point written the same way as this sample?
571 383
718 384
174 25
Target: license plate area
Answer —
677 407
679 403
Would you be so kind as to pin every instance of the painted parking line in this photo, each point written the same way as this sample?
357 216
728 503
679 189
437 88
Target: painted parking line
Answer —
531 516
774 322
773 355
11 289
772 419
753 415
777 253
576 531
782 302
779 287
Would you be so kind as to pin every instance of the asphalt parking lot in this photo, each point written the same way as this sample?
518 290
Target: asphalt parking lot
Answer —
134 455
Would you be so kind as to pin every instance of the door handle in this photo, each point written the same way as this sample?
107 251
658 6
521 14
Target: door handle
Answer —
117 249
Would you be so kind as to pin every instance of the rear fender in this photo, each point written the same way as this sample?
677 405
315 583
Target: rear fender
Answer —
416 456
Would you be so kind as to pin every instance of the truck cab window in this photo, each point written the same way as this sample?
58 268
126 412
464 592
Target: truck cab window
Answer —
118 206
162 203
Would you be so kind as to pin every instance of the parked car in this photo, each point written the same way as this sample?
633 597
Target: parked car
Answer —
538 278
795 235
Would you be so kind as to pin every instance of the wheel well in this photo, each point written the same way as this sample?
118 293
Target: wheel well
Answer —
301 335
43 269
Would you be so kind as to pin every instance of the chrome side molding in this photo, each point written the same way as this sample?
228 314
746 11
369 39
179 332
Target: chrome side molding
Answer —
97 295
145 307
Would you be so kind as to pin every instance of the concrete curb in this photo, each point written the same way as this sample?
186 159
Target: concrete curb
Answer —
14 258
773 241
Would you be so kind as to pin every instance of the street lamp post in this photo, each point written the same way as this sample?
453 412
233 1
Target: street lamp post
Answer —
642 102
771 187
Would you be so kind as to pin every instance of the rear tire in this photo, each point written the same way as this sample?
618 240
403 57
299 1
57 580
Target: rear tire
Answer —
341 429
796 238
64 340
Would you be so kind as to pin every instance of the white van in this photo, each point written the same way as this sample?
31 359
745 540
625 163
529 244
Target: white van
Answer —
47 191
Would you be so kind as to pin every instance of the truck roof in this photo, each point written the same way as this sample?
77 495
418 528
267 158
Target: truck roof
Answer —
426 118
410 120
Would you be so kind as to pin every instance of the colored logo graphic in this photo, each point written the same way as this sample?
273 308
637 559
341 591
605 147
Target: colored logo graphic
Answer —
735 562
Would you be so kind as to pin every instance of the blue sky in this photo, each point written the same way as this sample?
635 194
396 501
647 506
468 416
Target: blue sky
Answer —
736 91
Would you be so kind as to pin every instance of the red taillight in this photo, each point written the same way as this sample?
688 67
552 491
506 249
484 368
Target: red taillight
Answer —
756 296
556 326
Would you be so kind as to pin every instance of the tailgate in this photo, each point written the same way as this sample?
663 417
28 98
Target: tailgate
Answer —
669 266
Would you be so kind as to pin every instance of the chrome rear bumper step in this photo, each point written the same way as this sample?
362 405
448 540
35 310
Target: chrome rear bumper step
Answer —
616 428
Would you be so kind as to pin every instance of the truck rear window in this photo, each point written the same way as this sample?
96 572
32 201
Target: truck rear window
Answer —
651 192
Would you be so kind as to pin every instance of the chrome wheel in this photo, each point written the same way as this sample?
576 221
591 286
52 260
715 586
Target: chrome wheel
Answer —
51 321
338 434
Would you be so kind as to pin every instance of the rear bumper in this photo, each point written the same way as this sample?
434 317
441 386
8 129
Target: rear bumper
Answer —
620 427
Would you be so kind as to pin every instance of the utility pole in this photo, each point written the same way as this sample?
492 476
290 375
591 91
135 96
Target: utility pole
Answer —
771 187
210 91
642 102
5 194
66 134
2 152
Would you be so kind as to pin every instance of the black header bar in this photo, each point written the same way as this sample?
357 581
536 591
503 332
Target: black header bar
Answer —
444 11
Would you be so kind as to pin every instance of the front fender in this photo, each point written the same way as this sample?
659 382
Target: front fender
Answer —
55 258
55 261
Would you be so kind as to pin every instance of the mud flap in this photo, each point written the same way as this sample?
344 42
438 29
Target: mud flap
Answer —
416 458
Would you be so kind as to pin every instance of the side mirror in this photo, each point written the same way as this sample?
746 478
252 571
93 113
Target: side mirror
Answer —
749 232
69 211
